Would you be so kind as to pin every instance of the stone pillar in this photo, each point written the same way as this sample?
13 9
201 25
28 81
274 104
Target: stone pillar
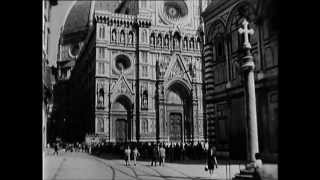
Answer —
247 68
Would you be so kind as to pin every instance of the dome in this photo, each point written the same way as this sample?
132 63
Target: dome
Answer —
77 19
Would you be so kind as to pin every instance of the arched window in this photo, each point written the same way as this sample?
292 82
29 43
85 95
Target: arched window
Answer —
219 46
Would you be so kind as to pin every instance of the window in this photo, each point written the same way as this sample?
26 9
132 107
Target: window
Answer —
144 71
101 52
145 127
101 69
144 57
219 47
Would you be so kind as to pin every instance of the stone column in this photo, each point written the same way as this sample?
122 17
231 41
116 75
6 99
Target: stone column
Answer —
247 67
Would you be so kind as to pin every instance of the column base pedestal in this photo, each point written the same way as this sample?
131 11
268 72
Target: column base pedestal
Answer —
246 174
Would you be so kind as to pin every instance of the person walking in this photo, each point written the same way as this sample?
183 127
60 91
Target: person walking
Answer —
135 155
127 152
162 155
212 160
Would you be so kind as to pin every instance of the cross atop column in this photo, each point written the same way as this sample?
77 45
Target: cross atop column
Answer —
246 33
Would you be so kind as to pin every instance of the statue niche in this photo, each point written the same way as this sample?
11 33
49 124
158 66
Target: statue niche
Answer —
100 98
144 104
130 38
122 39
166 41
114 36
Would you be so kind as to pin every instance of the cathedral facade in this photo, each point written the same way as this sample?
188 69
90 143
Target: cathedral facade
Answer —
137 74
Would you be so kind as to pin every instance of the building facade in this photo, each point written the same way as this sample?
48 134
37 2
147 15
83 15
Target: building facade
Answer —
137 74
224 91
47 73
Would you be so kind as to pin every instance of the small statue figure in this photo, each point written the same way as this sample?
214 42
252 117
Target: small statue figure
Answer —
114 37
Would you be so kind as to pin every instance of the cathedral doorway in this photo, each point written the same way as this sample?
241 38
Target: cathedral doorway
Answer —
121 113
179 113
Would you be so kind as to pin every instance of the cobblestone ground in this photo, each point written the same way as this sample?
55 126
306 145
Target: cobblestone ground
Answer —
82 166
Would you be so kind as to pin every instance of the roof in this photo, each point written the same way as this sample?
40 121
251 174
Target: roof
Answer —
78 17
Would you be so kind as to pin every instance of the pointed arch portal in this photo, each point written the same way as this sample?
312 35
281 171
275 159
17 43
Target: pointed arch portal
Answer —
179 112
122 109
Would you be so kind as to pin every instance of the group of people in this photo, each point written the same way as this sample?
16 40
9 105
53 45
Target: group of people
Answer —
173 151
60 147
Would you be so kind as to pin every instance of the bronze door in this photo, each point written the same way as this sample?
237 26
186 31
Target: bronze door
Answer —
175 127
121 130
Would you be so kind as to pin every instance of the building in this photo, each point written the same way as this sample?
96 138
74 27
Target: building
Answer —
48 79
137 72
224 92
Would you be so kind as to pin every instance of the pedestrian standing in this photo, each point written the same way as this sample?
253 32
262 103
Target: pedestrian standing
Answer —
135 155
162 155
55 149
212 160
127 152
154 156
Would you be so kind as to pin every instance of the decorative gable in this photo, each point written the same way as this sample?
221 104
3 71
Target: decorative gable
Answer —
122 86
177 69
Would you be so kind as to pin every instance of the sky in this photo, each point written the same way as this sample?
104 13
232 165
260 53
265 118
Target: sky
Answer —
57 16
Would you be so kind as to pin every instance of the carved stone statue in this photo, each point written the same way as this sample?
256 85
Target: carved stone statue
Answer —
122 37
152 40
114 36
130 38
166 41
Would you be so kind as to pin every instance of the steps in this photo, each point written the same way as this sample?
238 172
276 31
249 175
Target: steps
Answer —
245 175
